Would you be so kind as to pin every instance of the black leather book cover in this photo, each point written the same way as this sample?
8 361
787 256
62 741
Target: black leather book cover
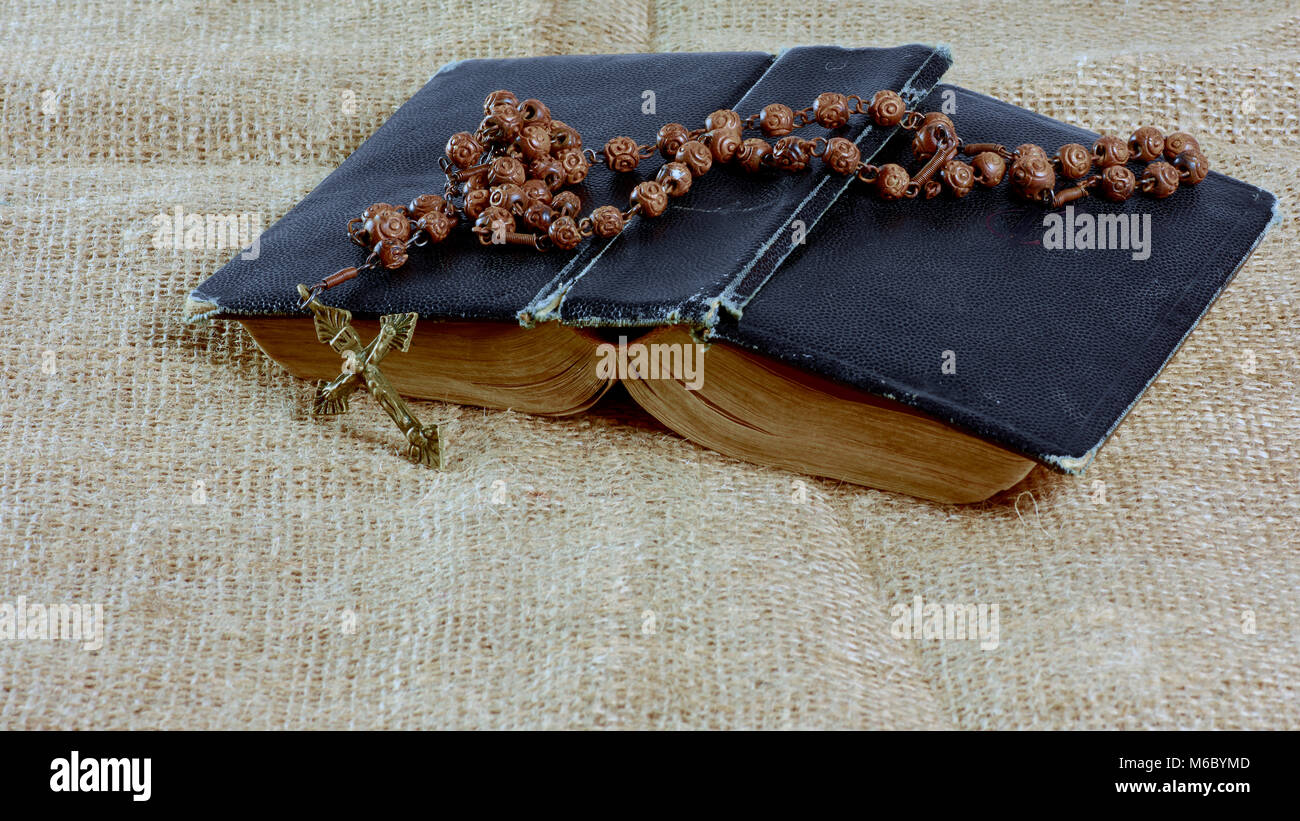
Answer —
956 307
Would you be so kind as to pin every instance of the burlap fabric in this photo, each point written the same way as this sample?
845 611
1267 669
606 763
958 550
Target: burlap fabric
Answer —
258 569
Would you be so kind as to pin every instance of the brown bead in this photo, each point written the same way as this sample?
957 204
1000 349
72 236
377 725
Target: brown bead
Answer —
575 166
724 119
564 232
564 136
989 168
476 201
607 221
675 177
506 169
535 112
387 222
621 154
670 139
651 197
841 155
1030 149
538 215
1032 176
892 181
959 177
752 154
886 108
425 204
776 120
696 156
550 171
723 143
537 191
1110 150
392 254
501 125
1074 160
1147 143
533 141
1159 180
1116 183
938 117
496 98
566 204
790 154
510 197
1178 142
929 138
494 217
1192 166
436 225
463 150
831 110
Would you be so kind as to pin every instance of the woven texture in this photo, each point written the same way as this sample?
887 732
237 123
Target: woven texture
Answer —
258 569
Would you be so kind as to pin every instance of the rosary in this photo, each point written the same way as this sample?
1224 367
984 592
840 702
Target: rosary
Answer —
510 180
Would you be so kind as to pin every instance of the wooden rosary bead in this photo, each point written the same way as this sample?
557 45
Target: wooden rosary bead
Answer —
386 222
428 203
1146 143
841 155
723 144
776 120
564 232
696 156
506 169
989 168
607 221
566 204
550 171
575 166
538 215
930 137
670 140
1110 150
476 201
959 177
939 117
886 109
892 181
753 154
392 254
1178 142
501 125
831 110
1116 183
1159 180
675 178
533 142
1074 160
496 98
537 190
510 197
564 136
1029 150
436 225
494 218
535 112
1192 166
724 119
650 197
621 154
463 150
790 154
1032 176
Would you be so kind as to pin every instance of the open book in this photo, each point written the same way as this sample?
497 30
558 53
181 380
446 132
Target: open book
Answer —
939 348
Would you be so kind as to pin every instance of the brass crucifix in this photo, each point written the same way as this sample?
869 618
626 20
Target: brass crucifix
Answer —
361 369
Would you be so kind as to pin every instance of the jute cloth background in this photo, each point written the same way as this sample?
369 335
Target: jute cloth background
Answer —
258 569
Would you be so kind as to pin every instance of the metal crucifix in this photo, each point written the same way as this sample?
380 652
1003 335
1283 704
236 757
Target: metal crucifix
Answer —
361 369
